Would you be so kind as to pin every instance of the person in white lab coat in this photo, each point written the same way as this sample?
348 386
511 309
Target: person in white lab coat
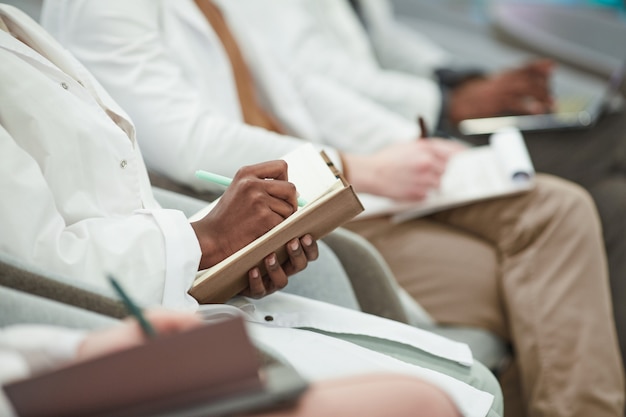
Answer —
594 158
53 216
79 204
392 65
363 45
501 265
32 349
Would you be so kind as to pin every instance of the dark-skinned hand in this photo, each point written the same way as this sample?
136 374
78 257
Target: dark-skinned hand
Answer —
259 198
523 90
301 252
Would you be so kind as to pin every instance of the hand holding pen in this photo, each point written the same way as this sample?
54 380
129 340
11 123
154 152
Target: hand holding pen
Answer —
407 170
249 207
225 182
132 308
131 332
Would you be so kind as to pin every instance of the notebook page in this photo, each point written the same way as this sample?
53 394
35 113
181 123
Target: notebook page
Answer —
307 170
510 149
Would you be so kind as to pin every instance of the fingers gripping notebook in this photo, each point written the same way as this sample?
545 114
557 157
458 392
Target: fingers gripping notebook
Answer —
331 202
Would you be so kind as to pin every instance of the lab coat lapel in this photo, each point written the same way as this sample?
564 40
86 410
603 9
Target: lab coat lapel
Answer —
272 83
57 60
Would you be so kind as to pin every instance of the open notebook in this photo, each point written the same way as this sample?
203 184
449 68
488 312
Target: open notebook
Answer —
211 371
501 168
331 202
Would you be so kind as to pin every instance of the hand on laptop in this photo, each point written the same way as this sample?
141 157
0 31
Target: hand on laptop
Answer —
523 90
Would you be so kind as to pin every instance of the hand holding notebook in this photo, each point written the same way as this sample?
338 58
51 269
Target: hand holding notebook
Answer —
210 370
251 207
330 202
499 169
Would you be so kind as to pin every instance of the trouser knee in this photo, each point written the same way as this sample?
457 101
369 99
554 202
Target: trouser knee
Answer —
571 203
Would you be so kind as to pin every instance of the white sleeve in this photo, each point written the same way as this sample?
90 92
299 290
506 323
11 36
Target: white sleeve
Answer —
306 44
150 251
398 46
178 130
349 122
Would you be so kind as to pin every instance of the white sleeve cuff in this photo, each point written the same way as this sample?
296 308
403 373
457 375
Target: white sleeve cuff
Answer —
182 257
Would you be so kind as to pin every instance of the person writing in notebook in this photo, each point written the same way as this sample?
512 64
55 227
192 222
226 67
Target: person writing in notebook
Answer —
116 226
80 205
375 395
500 265
232 225
365 46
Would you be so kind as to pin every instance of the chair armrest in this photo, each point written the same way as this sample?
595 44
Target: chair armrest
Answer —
371 278
18 307
378 293
22 277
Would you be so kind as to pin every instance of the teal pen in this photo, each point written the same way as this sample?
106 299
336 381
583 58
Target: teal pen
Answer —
225 181
133 308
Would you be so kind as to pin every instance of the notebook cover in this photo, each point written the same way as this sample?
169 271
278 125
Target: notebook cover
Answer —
207 364
226 279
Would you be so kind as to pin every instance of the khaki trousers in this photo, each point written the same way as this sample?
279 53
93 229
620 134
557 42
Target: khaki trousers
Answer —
596 159
531 268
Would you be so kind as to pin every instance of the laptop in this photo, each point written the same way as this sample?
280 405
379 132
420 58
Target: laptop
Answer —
572 112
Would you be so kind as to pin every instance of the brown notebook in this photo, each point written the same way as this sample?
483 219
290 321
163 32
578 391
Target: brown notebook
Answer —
213 370
331 202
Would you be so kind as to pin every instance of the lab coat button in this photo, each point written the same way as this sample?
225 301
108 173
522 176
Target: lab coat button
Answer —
123 163
269 318
64 85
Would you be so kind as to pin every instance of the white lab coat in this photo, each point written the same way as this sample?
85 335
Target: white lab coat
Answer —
184 113
164 64
75 190
41 103
27 349
323 38
398 47
275 322
55 115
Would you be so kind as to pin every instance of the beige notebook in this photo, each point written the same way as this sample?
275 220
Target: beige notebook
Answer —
499 169
331 202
